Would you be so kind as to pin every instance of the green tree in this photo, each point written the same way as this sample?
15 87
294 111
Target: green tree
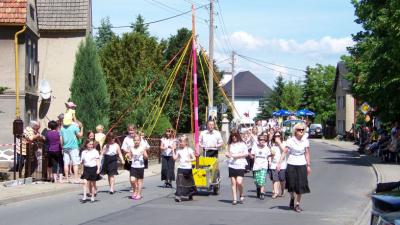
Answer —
273 102
104 33
291 95
317 92
88 88
374 64
139 26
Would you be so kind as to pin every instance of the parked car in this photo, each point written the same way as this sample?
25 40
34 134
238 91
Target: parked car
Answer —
386 204
315 131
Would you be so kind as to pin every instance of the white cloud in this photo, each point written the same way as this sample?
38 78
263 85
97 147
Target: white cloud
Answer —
327 45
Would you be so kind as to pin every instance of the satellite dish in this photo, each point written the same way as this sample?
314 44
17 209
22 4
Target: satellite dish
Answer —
45 94
44 90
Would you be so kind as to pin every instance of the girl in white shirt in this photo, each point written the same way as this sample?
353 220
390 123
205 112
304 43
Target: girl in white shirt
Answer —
90 159
111 152
168 145
184 182
236 154
278 178
261 153
137 155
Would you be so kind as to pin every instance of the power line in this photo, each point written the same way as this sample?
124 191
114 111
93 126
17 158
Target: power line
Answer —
224 30
287 67
156 21
281 72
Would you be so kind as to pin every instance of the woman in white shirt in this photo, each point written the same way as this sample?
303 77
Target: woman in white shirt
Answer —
278 178
298 165
260 152
90 159
184 182
236 154
168 145
110 153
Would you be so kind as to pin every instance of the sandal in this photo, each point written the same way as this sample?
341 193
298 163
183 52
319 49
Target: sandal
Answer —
275 195
298 209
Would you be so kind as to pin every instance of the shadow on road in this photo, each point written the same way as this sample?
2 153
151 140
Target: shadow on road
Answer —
347 158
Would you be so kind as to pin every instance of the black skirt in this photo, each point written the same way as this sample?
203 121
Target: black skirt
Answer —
185 183
89 173
110 165
167 168
296 179
236 172
137 173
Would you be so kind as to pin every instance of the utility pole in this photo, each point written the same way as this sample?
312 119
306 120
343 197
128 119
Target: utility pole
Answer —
211 57
233 81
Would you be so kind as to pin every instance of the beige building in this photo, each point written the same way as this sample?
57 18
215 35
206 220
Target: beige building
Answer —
63 24
54 30
15 15
345 103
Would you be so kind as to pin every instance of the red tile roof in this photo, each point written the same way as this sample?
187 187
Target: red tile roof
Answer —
13 11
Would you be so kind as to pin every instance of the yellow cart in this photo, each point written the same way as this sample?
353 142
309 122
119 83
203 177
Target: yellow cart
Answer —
207 176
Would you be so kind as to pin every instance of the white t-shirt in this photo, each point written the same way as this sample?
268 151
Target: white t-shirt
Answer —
89 157
236 149
111 150
184 157
260 157
167 142
137 157
128 143
278 152
209 140
297 149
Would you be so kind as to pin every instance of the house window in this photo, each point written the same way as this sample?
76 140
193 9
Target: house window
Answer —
29 61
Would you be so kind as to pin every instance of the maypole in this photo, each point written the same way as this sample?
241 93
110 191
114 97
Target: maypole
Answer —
195 95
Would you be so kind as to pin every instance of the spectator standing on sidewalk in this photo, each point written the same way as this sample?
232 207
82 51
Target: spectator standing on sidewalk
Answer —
210 140
184 182
69 141
31 134
55 157
236 154
168 145
110 153
298 165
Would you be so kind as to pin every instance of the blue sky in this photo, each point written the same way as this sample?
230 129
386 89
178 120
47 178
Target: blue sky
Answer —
293 33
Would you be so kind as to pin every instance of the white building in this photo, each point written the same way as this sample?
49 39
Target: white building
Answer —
248 91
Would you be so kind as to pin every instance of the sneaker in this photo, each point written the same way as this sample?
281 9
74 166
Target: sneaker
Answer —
92 199
178 199
133 196
138 197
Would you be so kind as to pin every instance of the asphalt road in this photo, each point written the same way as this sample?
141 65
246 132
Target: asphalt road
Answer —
340 184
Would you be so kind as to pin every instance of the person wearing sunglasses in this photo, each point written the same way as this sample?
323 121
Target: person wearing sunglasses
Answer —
261 153
298 165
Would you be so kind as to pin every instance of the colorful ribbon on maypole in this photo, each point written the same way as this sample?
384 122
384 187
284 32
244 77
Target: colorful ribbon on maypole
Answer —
195 94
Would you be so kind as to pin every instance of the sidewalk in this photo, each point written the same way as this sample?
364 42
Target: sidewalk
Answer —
41 189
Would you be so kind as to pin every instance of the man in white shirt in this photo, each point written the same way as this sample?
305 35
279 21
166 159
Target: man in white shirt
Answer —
211 140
